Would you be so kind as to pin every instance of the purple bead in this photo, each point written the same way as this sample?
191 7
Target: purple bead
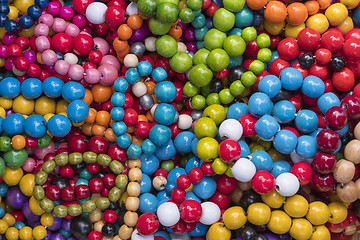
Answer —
140 34
66 13
272 236
190 34
79 20
3 51
9 63
238 238
9 38
48 235
30 55
16 198
53 8
191 47
9 112
56 225
49 68
66 225
183 25
57 236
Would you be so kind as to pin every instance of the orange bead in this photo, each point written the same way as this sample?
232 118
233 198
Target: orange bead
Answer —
150 85
324 4
98 130
123 53
86 128
256 4
103 118
312 7
101 93
175 32
135 21
120 45
275 12
111 122
142 16
130 136
18 142
150 117
89 98
297 13
142 118
124 32
137 140
130 129
110 135
91 116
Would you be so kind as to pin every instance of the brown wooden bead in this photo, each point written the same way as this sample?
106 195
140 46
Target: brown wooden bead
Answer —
130 218
352 151
133 189
344 171
95 216
236 195
347 192
357 131
350 230
244 186
125 232
134 163
132 204
135 175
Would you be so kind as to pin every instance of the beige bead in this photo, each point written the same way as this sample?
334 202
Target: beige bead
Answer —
135 175
98 226
236 195
244 186
352 151
132 204
344 171
357 131
125 232
159 183
133 189
131 60
347 192
134 163
130 218
95 216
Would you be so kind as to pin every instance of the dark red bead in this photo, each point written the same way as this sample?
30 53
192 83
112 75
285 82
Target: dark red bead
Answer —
53 193
96 185
82 192
68 194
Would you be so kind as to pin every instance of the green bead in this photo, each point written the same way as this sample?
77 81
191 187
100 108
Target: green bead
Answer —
249 34
47 205
213 98
102 203
263 41
74 210
38 193
44 141
48 166
236 88
168 165
248 79
61 159
89 157
114 194
15 158
5 144
103 160
116 167
121 181
205 90
198 102
75 158
2 167
60 211
225 96
264 55
187 15
190 89
257 67
200 56
41 177
88 206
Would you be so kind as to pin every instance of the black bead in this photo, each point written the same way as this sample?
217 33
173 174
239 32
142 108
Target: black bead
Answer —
337 63
216 85
108 230
60 182
81 227
282 95
260 237
100 175
247 233
306 60
356 208
249 198
78 167
237 100
235 73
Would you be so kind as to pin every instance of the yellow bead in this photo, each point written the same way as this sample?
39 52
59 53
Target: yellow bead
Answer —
273 199
27 184
23 105
6 103
47 219
257 147
34 206
346 26
9 219
279 223
39 232
274 29
44 105
2 62
301 229
25 233
28 32
12 233
3 226
14 13
77 124
38 58
12 176
318 22
2 112
48 116
2 33
23 5
61 106
293 31
336 14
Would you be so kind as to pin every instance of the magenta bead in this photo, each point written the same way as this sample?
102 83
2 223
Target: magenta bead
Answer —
9 39
190 34
53 8
41 30
92 75
76 72
49 68
66 13
109 74
112 60
30 55
72 30
42 43
3 51
62 67
183 25
49 57
46 19
102 45
59 25
86 29
29 165
140 34
9 63
79 20
191 47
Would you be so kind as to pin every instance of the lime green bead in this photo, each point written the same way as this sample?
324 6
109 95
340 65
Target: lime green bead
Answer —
103 160
61 159
48 166
116 167
41 177
89 157
38 193
75 158
47 205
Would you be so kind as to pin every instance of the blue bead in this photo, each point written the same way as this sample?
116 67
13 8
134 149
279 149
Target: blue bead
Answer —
165 91
258 20
132 75
327 101
26 21
148 147
183 141
161 195
123 141
159 134
218 3
52 87
59 125
165 114
159 74
9 87
244 17
199 231
199 21
262 160
31 88
245 150
117 113
35 126
118 99
149 163
356 17
77 111
4 8
313 87
193 162
34 11
174 174
145 184
315 133
200 45
2 212
169 187
306 121
3 19
166 152
191 196
134 151
344 130
65 233
193 146
237 110
121 85
11 26
59 55
42 3
144 68
148 203
259 104
270 85
284 111
291 78
119 128
200 33
266 127
197 13
14 124
4 188
1 122
205 188
73 91
162 234
285 141
306 147
280 167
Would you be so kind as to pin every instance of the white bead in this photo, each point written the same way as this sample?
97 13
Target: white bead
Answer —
18 72
139 89
181 47
295 158
71 58
137 236
131 61
243 170
210 213
131 9
168 214
185 121
95 12
150 44
287 184
231 129
152 110
182 236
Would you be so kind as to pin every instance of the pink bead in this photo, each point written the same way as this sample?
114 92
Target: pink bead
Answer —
79 20
86 29
46 19
76 72
41 152
102 45
9 62
109 74
112 60
3 51
72 30
53 8
41 30
66 13
49 57
92 75
63 145
42 43
59 25
62 67
29 165
9 39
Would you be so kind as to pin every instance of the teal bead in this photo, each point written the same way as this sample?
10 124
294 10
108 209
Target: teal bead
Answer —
200 45
81 181
244 18
66 234
237 61
84 200
199 21
197 13
235 31
200 33
57 203
85 174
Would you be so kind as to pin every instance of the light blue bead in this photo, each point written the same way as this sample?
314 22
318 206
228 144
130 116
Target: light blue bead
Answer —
159 74
145 184
306 121
291 78
193 162
183 141
148 147
148 203
245 150
266 127
327 101
149 163
118 99
285 141
306 147
262 160
260 104
121 85
134 151
160 134
165 114
31 88
284 111
165 91
119 128
123 141
270 85
313 87
205 188
280 167
132 76
117 113
237 110
166 152
144 68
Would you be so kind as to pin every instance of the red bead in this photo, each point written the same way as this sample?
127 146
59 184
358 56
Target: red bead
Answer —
101 29
183 182
95 56
206 168
98 145
229 150
288 49
248 123
252 50
81 5
332 40
33 70
179 227
308 38
323 183
222 200
263 182
23 42
327 140
115 16
61 42
53 193
323 56
206 4
95 235
21 64
109 180
66 171
93 168
161 172
211 10
225 184
352 105
147 224
96 185
190 211
30 142
78 144
130 117
274 41
175 130
82 44
343 80
117 153
318 70
14 50
351 48
68 194
277 66
179 91
303 171
336 118
18 215
142 129
178 195
109 216
82 192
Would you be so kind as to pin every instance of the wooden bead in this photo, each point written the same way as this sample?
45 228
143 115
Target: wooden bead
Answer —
98 226
133 189
236 195
350 230
130 218
344 171
135 175
244 186
352 151
125 232
132 204
134 163
95 196
347 192
159 183
95 216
